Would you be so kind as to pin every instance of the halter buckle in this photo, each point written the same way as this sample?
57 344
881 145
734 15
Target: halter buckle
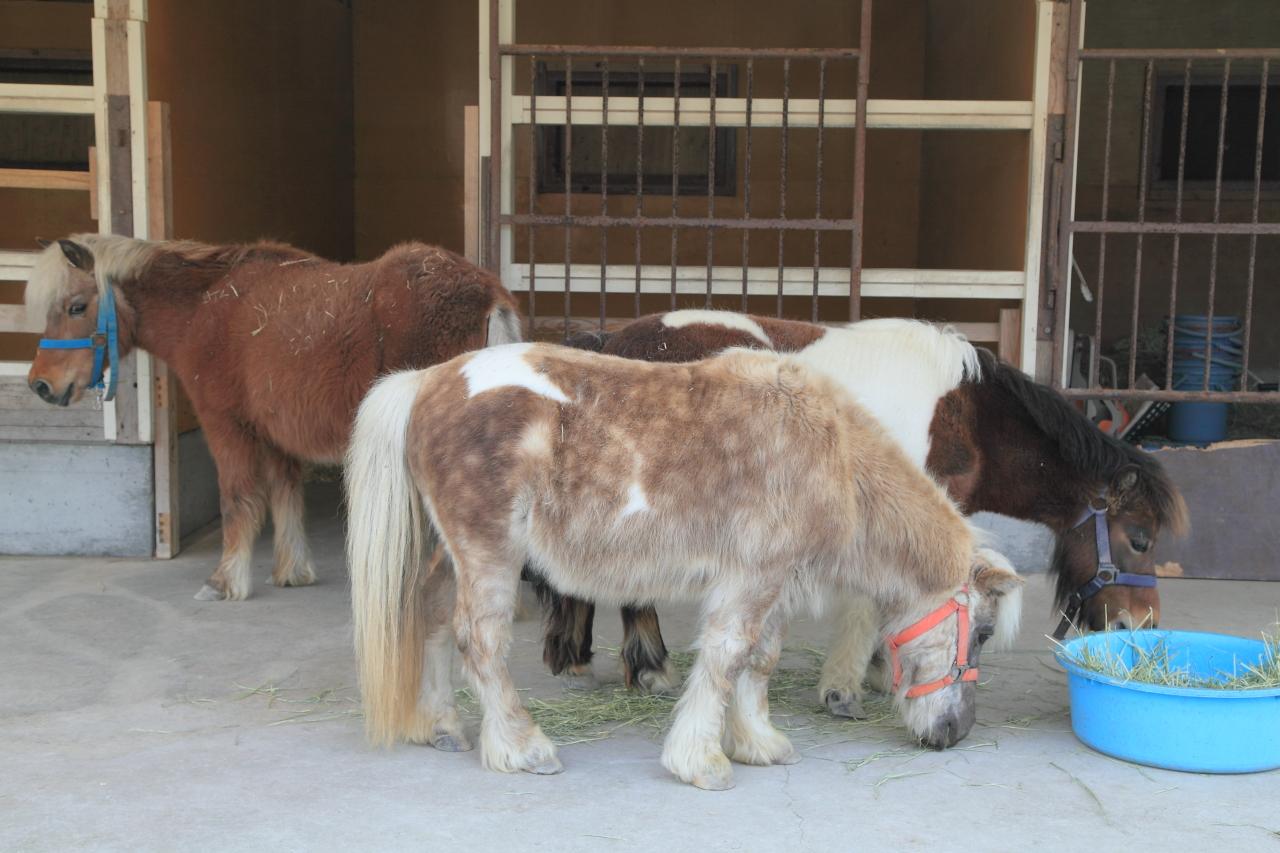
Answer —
1107 574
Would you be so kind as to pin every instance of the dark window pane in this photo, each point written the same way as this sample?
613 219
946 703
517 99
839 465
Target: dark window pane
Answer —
1240 136
657 154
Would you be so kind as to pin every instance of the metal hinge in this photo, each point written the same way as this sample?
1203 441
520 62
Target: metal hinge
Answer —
162 393
163 533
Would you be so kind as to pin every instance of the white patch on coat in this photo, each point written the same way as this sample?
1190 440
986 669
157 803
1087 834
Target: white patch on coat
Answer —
898 369
636 502
505 366
725 319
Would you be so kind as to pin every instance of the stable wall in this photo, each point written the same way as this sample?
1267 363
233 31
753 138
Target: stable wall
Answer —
261 115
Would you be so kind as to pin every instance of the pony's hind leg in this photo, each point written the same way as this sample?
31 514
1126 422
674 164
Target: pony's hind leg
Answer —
486 600
293 566
645 662
749 735
731 629
855 641
240 498
566 644
436 720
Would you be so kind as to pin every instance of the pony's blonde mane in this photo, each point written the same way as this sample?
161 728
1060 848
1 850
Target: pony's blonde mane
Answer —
113 258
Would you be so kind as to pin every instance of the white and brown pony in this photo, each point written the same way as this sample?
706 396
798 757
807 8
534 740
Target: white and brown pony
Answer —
274 346
996 440
747 482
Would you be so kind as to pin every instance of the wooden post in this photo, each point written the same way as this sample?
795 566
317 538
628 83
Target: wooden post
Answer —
471 182
165 409
119 79
1009 347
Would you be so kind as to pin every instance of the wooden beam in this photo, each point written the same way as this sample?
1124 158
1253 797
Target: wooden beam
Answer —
44 179
471 182
796 281
16 266
166 389
13 318
46 98
1010 340
767 112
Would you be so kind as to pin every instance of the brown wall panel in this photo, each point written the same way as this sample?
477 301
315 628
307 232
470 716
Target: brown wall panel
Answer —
261 116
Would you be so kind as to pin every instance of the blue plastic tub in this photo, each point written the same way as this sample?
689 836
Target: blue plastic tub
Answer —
1179 728
1223 340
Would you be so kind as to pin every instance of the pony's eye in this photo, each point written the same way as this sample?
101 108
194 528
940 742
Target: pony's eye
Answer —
1139 543
77 309
984 634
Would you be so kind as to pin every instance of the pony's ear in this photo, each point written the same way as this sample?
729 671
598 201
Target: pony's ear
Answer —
1125 480
993 575
78 256
43 243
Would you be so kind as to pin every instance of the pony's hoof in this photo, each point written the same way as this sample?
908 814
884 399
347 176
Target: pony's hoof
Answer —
208 593
792 757
846 705
713 781
585 680
304 576
549 766
451 743
659 682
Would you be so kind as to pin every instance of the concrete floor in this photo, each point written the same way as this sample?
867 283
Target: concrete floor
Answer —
127 722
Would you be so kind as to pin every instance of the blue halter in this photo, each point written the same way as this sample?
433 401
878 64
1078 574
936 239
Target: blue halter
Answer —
1106 575
105 340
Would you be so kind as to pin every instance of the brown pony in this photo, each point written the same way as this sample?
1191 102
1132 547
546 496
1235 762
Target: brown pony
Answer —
997 441
275 348
747 481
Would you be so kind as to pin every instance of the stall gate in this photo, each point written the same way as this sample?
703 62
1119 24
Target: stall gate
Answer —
590 247
1186 240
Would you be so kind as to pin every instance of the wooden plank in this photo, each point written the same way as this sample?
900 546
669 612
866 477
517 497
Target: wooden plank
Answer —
986 333
1010 338
767 112
796 281
44 179
46 98
93 182
471 183
168 521
13 318
42 434
114 129
16 266
1033 263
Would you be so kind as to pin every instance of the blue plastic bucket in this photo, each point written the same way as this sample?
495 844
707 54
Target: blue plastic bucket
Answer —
1178 728
1194 337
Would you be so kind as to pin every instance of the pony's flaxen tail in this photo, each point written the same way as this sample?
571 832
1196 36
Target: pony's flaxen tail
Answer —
504 327
386 536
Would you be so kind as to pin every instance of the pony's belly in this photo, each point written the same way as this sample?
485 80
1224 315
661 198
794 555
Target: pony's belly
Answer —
619 581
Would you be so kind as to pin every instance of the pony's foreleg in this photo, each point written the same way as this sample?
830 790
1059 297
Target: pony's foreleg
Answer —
731 629
749 735
855 641
436 719
645 663
486 600
240 499
284 485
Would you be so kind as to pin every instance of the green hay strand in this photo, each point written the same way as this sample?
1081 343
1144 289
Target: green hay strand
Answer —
582 716
1155 666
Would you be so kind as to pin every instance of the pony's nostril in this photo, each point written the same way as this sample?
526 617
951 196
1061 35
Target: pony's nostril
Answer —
43 389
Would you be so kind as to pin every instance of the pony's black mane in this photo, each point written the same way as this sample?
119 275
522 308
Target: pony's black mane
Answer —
1083 446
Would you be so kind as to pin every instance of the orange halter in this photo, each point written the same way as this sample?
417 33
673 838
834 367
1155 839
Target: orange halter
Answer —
960 668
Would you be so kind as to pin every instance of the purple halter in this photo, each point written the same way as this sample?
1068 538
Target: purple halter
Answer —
1107 573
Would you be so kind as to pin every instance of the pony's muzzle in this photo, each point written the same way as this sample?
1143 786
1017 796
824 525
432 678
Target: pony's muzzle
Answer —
44 391
954 725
